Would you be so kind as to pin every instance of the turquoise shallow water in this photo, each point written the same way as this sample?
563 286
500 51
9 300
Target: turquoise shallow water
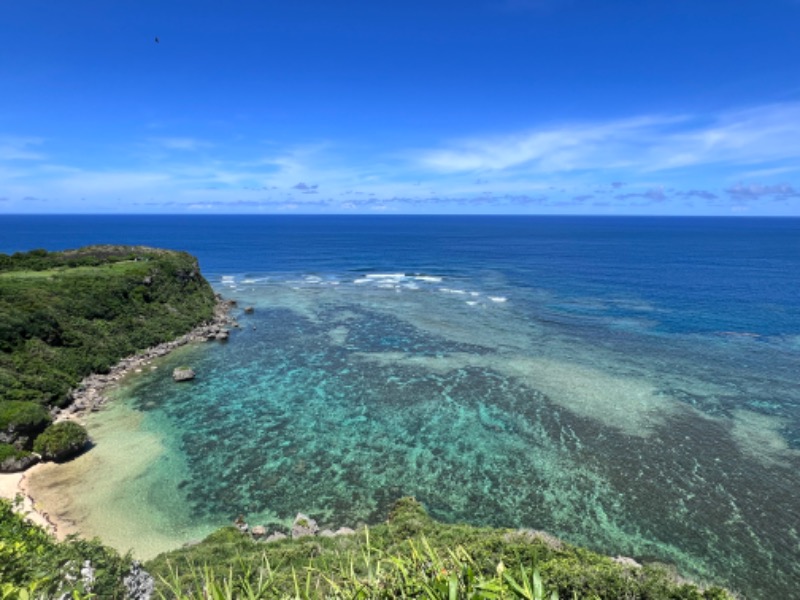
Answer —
339 395
627 383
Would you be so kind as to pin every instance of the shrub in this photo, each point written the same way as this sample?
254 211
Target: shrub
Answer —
22 416
13 459
64 315
9 451
61 441
34 565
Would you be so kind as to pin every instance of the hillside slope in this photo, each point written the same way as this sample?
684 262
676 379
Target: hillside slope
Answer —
64 315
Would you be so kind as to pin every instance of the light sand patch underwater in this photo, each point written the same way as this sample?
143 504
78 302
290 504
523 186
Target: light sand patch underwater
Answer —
759 436
629 404
338 335
110 492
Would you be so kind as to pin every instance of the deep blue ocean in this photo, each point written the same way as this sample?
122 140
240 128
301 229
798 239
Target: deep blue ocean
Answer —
626 383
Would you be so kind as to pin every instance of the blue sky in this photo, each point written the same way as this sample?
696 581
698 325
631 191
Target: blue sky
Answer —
484 106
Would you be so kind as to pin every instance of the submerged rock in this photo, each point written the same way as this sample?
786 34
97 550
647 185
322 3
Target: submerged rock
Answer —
183 374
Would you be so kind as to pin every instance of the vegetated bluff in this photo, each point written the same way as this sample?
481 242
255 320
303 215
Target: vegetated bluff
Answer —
64 315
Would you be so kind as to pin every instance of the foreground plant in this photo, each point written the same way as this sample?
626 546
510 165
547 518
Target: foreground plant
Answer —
249 582
34 566
412 556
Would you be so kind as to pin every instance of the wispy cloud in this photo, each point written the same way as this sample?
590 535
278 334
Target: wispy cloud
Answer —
640 145
566 148
655 163
182 143
109 182
20 148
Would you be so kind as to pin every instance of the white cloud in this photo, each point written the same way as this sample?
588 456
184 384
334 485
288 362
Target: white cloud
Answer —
87 183
666 161
565 148
747 137
649 143
770 172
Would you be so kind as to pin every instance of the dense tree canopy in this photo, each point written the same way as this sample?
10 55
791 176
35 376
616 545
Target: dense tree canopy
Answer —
64 315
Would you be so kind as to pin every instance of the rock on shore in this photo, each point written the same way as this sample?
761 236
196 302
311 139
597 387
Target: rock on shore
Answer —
89 395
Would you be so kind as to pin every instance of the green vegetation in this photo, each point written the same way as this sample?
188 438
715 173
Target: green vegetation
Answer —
64 315
411 556
9 452
34 565
61 440
23 416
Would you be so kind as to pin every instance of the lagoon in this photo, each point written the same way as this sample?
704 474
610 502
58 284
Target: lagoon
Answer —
627 384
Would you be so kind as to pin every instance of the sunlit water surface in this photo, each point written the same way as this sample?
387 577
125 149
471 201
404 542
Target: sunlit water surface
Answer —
616 410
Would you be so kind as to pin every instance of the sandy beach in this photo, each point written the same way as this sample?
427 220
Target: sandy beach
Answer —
14 484
90 396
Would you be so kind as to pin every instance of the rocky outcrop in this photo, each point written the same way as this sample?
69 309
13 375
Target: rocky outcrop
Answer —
61 441
183 374
139 584
15 464
627 561
534 535
15 438
259 532
304 526
344 531
89 395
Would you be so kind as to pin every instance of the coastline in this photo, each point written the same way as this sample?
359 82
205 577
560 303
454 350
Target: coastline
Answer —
90 395
13 485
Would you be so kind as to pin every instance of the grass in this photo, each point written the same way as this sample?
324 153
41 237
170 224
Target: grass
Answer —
122 267
411 556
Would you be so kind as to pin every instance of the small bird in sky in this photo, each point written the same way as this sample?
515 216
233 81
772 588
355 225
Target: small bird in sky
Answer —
157 40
